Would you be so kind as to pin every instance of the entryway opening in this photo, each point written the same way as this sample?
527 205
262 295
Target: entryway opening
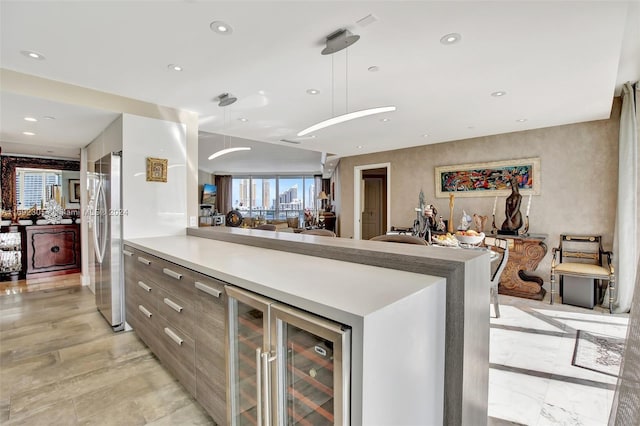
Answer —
371 200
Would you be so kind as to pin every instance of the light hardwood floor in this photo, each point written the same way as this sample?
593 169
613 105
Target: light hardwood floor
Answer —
60 364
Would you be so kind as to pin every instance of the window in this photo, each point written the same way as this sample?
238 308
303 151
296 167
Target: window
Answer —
273 197
32 186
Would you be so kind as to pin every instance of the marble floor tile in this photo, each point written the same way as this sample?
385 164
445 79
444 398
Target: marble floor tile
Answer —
570 403
516 397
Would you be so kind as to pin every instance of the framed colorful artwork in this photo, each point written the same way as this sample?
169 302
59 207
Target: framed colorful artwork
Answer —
488 179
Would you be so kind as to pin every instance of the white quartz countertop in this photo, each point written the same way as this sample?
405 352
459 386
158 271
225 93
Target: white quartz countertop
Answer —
339 290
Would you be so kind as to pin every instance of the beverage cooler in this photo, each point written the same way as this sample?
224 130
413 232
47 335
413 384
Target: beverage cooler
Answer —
286 366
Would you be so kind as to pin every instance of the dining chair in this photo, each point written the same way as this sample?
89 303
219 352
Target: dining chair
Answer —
501 247
320 232
405 239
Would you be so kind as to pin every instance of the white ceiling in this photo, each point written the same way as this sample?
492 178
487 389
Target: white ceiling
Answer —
559 62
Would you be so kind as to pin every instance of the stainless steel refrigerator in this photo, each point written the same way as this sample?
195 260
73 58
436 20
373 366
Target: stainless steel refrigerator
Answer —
286 366
105 227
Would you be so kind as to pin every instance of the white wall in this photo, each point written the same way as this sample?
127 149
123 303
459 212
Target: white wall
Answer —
153 208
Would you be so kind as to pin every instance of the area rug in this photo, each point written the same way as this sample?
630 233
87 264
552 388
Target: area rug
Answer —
598 352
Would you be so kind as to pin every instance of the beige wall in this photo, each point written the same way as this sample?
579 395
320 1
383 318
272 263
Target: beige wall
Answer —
579 166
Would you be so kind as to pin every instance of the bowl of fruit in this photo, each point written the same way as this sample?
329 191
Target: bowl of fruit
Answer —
446 240
470 237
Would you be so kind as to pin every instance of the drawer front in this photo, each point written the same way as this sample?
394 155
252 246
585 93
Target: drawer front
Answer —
129 260
147 292
178 312
178 355
148 321
210 294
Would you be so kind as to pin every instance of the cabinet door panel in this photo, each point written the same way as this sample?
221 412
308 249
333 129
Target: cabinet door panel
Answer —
178 355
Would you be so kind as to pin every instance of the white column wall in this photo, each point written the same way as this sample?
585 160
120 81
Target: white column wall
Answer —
153 208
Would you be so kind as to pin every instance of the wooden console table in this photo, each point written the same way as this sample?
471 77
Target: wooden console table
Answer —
525 253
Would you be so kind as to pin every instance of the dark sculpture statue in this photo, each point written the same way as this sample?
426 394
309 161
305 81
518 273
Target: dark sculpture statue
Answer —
513 222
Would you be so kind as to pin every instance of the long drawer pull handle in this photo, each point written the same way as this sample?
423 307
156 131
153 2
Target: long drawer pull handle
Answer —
127 252
173 336
144 311
173 305
172 274
143 260
209 290
144 286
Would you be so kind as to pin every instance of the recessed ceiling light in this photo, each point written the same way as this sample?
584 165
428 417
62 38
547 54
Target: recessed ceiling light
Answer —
174 67
521 120
50 151
244 120
470 127
425 135
261 92
32 119
373 68
384 120
28 133
313 91
33 55
359 147
450 38
221 27
498 94
49 117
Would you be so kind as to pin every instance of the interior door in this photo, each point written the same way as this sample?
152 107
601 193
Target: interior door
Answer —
372 212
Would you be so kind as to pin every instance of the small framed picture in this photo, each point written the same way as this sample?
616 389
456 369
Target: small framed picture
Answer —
156 169
74 190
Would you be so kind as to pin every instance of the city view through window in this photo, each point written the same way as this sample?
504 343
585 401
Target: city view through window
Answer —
274 197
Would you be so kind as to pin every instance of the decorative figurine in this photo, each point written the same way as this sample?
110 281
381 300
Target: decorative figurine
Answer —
465 222
513 222
479 222
450 230
440 226
53 212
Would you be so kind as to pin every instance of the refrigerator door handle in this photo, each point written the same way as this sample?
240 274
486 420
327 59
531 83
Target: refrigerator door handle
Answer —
100 246
258 387
266 389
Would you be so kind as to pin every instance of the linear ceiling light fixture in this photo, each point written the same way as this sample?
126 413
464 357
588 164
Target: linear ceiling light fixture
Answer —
228 151
224 100
336 41
346 117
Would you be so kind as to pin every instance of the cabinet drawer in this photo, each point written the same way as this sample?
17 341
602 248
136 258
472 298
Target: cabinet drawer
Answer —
147 292
147 320
210 294
178 312
178 355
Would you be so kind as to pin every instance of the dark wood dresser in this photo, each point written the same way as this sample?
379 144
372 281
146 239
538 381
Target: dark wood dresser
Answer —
51 250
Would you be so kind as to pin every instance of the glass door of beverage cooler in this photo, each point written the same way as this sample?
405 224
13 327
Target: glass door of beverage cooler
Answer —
311 378
248 338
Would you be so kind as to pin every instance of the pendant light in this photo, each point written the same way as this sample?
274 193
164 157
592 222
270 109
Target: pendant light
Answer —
335 42
225 99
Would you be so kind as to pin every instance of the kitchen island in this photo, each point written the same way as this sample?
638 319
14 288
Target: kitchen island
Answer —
397 318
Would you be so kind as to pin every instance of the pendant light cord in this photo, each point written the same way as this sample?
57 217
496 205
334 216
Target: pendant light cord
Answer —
333 114
346 82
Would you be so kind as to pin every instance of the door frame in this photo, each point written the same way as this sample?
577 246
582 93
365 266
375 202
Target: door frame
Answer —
358 194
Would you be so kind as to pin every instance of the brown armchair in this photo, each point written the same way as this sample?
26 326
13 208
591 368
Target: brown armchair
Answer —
582 256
